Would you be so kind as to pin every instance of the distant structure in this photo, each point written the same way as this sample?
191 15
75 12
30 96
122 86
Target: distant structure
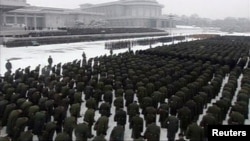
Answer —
130 13
17 14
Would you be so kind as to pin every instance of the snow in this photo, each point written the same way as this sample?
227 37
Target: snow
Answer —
32 56
22 57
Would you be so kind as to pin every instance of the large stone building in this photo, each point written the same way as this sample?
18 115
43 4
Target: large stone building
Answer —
33 17
130 13
121 13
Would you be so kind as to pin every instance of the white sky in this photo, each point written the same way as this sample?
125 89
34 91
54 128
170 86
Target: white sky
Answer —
216 9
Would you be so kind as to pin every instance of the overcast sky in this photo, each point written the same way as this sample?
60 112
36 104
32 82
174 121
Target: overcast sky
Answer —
215 9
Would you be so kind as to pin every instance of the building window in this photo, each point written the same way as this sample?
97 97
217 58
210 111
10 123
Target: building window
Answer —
20 20
10 20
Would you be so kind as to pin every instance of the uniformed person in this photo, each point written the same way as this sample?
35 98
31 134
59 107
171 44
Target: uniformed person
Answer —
50 61
117 133
207 119
133 109
26 136
236 118
89 117
48 132
62 137
101 126
75 110
8 65
150 115
195 132
99 138
172 124
120 117
69 125
118 102
163 111
152 132
104 109
82 131
184 114
137 126
14 115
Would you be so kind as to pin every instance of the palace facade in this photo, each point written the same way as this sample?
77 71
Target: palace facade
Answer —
121 13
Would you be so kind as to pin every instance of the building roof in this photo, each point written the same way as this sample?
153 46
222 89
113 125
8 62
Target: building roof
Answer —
123 2
7 5
48 10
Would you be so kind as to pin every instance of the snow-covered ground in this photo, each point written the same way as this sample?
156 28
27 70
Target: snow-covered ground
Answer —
22 57
32 56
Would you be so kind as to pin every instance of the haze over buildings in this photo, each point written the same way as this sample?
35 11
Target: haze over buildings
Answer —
47 14
215 9
120 13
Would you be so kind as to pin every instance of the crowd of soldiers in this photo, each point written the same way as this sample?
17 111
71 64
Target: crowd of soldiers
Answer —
50 99
120 44
114 45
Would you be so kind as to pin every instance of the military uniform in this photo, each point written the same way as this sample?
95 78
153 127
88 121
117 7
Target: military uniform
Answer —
19 127
75 110
39 122
119 92
141 93
216 111
82 132
120 117
78 97
156 97
59 116
200 103
129 97
236 118
163 111
50 61
91 104
69 125
12 120
194 132
193 108
104 109
184 114
3 104
150 115
25 136
9 108
172 124
31 114
118 103
101 125
132 109
108 97
49 131
62 137
152 133
146 102
8 65
117 134
137 126
207 119
99 138
89 117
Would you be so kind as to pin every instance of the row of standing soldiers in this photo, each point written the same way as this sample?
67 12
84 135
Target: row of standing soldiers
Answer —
33 100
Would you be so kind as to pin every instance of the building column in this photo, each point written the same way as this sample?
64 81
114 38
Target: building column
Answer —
25 20
35 22
15 19
1 17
